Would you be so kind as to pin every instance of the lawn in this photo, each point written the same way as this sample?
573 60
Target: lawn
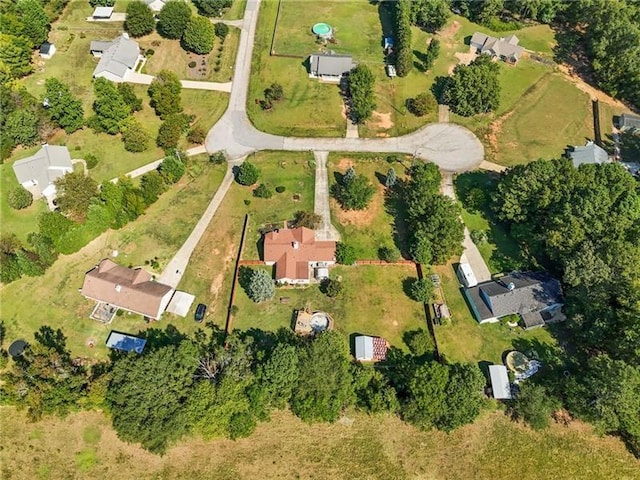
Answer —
464 340
159 233
381 447
374 227
373 303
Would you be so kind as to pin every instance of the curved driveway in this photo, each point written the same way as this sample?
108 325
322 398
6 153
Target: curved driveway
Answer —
451 147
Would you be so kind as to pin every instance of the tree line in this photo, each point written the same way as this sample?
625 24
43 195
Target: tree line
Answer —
210 387
584 225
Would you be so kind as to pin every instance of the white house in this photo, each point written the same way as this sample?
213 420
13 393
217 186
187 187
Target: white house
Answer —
38 172
118 58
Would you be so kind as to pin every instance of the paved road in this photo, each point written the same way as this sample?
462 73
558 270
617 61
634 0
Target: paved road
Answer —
471 254
174 270
326 231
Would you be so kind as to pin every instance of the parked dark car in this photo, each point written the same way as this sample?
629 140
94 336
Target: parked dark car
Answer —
201 309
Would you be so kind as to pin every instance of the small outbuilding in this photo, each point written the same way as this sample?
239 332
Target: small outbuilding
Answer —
370 349
47 50
626 122
102 13
500 385
329 67
590 153
466 275
125 343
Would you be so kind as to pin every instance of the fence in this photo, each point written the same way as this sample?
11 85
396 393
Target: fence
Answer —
427 313
229 323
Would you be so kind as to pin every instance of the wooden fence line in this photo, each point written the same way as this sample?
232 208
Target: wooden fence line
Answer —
229 323
427 313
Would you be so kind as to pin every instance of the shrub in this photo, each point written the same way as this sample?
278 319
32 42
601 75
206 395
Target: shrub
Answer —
221 30
196 135
331 287
280 188
247 202
306 219
20 198
391 178
274 92
247 174
217 158
388 254
135 138
199 35
421 290
192 64
355 194
171 130
172 169
91 160
478 236
262 191
422 104
345 254
260 286
149 52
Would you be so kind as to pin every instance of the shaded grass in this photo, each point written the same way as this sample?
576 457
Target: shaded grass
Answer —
464 340
158 233
371 447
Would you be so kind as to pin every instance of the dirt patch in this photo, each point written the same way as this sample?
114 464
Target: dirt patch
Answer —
200 68
218 281
593 92
494 131
450 31
381 121
360 218
345 163
463 58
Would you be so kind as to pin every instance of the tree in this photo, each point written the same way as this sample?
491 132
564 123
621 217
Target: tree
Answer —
212 8
173 19
129 96
171 169
361 83
165 94
199 35
152 186
353 194
533 405
171 130
390 178
135 138
419 342
260 286
262 191
345 254
62 107
464 396
15 55
324 382
274 92
20 198
196 135
221 30
427 395
75 192
34 20
373 392
331 287
139 20
102 3
148 394
247 174
303 218
279 374
422 104
474 88
21 126
402 23
431 15
421 290
111 110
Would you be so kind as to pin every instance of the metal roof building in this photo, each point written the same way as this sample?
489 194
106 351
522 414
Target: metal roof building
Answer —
500 384
125 343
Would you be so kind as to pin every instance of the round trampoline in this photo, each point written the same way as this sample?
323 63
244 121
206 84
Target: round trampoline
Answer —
322 30
17 347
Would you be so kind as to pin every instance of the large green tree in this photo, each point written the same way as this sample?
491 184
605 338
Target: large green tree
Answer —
173 19
280 374
148 394
34 20
431 15
111 111
403 55
199 35
361 83
75 192
353 192
473 89
62 106
139 20
212 8
165 92
15 55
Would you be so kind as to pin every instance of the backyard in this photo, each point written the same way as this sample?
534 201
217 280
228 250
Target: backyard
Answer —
154 236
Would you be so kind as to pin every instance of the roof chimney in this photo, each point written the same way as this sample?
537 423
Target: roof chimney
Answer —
295 245
118 288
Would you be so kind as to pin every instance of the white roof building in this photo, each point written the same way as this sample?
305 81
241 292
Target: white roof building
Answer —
118 58
500 384
102 12
466 275
38 172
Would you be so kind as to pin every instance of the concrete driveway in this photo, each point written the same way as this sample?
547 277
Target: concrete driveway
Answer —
326 231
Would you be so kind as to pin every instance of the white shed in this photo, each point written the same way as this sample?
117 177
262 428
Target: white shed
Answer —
47 50
364 348
102 13
500 382
466 275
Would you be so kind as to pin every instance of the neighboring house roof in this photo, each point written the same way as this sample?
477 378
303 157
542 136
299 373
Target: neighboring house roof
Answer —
589 153
332 65
521 292
293 249
47 48
502 47
126 343
127 288
500 382
102 12
48 164
155 5
627 121
532 320
119 56
100 45
370 348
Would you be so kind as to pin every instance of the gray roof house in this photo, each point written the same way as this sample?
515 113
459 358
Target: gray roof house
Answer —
38 172
507 49
528 294
118 57
628 122
329 67
155 5
589 153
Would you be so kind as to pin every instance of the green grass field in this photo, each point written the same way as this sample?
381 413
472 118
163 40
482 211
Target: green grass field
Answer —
365 447
158 233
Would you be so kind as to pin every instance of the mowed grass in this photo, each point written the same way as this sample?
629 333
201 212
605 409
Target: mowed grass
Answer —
156 235
209 274
464 340
381 447
373 303
374 227
170 55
